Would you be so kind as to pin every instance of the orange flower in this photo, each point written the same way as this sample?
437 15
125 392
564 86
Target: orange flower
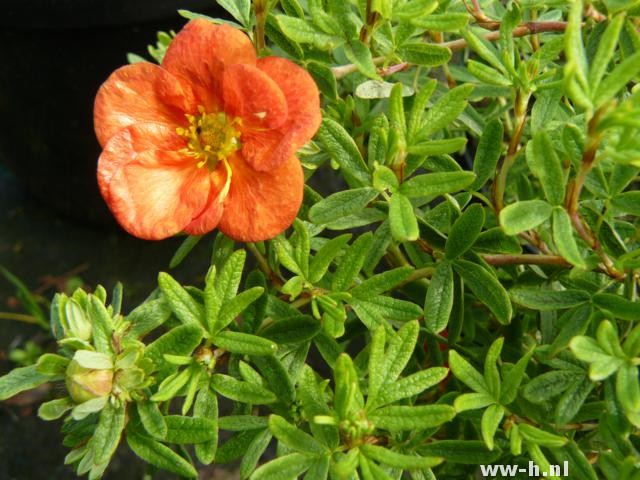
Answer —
206 140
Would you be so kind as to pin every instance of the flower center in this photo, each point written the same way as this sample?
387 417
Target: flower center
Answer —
210 137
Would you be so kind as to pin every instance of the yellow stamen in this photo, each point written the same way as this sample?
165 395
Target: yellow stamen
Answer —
211 137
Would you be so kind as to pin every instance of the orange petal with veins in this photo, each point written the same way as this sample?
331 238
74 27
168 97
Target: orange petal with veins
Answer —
137 93
157 194
264 151
210 216
199 54
260 205
250 94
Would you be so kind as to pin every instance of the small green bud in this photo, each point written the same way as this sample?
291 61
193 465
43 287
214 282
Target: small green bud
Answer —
86 383
75 321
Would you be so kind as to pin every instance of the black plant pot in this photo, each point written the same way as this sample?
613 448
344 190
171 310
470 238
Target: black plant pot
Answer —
53 58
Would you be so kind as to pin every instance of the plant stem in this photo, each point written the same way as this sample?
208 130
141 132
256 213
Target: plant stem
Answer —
19 317
264 265
259 7
526 259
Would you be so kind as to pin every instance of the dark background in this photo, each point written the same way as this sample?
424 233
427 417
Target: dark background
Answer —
54 226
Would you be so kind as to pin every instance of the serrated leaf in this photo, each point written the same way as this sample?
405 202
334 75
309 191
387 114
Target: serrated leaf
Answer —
524 215
487 288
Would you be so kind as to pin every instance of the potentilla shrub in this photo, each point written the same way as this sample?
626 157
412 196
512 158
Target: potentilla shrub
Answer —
466 296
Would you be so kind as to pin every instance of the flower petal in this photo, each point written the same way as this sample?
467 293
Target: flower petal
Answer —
260 205
136 93
303 121
251 95
199 54
157 195
128 143
210 216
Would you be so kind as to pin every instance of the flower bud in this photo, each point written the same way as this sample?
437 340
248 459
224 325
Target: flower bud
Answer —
76 323
86 383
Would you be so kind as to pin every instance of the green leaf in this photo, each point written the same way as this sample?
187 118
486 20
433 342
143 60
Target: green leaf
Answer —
244 343
627 202
346 387
570 402
574 48
236 446
102 325
484 49
239 9
359 54
184 249
52 365
341 12
398 460
253 453
401 418
416 8
277 377
159 455
488 153
240 423
187 430
491 419
472 401
495 240
438 147
540 437
564 239
21 379
524 215
545 299
234 307
302 31
464 231
545 108
287 467
445 110
439 300
487 288
54 409
417 110
351 263
324 78
412 385
326 254
622 74
344 151
403 222
147 317
606 48
441 22
181 340
106 436
434 184
241 391
617 306
545 164
424 54
549 385
182 304
487 74
381 282
341 204
580 466
152 419
292 330
471 452
399 352
465 372
628 388
294 438
513 379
